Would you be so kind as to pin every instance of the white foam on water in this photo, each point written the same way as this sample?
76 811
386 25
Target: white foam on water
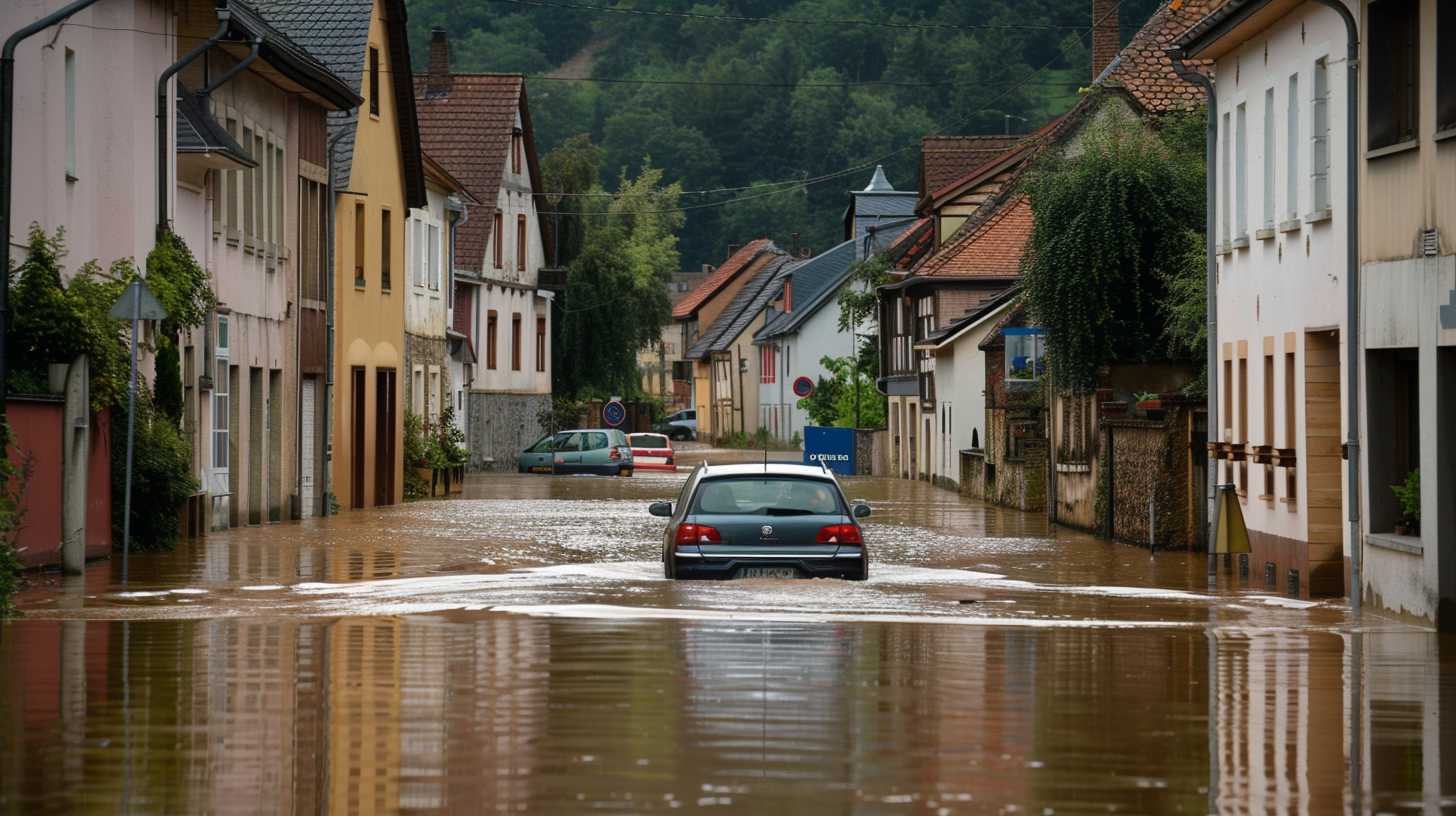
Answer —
187 591
262 588
612 612
140 594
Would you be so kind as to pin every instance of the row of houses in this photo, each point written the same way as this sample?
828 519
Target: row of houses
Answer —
373 237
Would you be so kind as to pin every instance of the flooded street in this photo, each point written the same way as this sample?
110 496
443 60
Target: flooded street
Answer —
517 649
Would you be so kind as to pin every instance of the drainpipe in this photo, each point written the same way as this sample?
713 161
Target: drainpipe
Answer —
7 151
235 70
1210 157
333 208
223 16
1352 292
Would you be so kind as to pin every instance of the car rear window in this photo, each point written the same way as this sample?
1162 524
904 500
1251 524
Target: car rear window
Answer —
647 440
767 496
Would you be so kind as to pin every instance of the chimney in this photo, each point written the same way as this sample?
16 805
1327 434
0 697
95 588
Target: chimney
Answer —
1106 34
439 80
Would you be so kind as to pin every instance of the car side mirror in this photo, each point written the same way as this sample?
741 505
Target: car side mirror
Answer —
661 509
861 510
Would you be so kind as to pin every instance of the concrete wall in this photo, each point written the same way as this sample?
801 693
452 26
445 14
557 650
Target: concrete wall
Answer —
37 441
500 426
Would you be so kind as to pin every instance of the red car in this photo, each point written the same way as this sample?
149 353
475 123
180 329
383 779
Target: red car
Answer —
651 451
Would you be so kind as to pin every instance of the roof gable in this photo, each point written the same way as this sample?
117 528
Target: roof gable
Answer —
1144 70
989 245
468 129
336 32
944 159
720 277
747 303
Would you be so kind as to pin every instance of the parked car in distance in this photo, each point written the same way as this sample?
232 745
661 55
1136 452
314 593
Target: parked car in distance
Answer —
763 521
681 425
651 451
603 451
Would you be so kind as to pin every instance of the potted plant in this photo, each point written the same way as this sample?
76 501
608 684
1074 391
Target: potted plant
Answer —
452 447
1408 493
1149 404
416 458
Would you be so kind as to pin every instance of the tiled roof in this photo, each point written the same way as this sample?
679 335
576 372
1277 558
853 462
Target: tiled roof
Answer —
336 32
746 305
991 248
198 132
736 263
944 159
818 279
468 131
1145 71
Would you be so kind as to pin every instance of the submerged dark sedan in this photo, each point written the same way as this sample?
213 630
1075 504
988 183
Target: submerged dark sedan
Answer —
763 521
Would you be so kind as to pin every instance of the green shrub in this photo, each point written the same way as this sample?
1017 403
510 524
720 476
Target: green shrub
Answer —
161 476
1408 493
451 440
416 456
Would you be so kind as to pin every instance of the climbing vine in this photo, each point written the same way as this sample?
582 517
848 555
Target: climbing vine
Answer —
1114 223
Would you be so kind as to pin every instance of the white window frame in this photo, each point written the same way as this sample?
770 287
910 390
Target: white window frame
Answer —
1291 170
1319 138
70 115
1241 171
221 399
1268 178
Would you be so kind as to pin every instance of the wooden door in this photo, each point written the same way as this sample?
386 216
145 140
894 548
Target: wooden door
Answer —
356 433
384 436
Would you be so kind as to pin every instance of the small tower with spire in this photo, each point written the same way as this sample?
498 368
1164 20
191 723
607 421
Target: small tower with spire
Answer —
878 204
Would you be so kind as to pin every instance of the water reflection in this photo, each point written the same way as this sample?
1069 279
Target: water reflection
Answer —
494 713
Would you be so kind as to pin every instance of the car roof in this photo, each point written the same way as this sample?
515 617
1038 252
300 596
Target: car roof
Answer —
711 471
591 430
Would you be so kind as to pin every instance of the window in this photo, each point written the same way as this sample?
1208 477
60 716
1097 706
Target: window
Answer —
278 196
497 238
1268 492
247 181
1445 67
1243 426
490 341
1241 172
789 295
517 151
1291 483
1394 76
415 255
768 364
234 178
220 396
373 81
540 344
258 221
1319 138
1223 183
1268 178
70 115
417 391
385 250
516 341
1025 354
358 244
521 243
1291 170
312 238
433 271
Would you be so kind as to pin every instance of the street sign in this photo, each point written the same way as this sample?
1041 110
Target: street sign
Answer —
832 446
614 413
803 387
126 307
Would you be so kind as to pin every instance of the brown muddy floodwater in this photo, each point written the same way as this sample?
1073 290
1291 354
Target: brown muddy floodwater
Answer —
517 650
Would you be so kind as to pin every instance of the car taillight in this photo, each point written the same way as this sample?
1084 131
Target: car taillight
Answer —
839 534
615 454
697 534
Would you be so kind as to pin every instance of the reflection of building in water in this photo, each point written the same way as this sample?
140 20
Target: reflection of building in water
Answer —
364 713
1410 721
1280 721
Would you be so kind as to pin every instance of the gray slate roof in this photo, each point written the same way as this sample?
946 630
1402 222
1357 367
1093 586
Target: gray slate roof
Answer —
818 279
745 306
198 132
336 32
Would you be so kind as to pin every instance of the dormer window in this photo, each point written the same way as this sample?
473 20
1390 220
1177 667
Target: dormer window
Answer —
1025 354
788 295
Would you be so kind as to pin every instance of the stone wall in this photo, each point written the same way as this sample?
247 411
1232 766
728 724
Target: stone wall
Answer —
500 426
425 351
1149 458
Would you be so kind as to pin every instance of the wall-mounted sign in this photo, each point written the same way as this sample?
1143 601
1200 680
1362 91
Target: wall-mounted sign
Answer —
614 413
803 387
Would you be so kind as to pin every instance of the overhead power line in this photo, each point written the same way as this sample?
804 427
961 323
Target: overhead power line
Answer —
800 21
868 83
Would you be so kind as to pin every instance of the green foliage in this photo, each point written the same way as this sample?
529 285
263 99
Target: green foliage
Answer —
181 285
616 298
416 456
857 299
564 413
1408 493
451 440
569 171
55 323
765 211
1114 225
843 398
169 379
161 476
732 101
12 487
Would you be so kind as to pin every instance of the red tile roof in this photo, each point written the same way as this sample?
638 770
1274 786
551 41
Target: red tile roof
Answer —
736 263
992 247
944 159
468 131
1144 70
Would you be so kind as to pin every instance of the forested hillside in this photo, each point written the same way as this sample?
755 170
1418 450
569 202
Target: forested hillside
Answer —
773 90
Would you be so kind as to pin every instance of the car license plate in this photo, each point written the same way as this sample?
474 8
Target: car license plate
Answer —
768 572
541 469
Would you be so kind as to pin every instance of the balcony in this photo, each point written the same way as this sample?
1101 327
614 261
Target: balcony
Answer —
552 278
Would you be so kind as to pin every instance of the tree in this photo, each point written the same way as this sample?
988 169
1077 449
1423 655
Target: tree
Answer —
847 398
616 298
569 174
1114 223
764 210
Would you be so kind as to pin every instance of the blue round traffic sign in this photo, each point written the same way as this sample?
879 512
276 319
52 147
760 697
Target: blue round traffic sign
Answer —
614 413
803 387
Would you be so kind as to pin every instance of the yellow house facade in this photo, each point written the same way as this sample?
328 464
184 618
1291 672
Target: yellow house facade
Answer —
378 176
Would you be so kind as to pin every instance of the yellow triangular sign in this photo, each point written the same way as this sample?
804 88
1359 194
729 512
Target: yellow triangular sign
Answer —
1231 536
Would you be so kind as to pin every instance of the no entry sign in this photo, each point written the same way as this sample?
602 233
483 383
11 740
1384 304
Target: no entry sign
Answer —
803 387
